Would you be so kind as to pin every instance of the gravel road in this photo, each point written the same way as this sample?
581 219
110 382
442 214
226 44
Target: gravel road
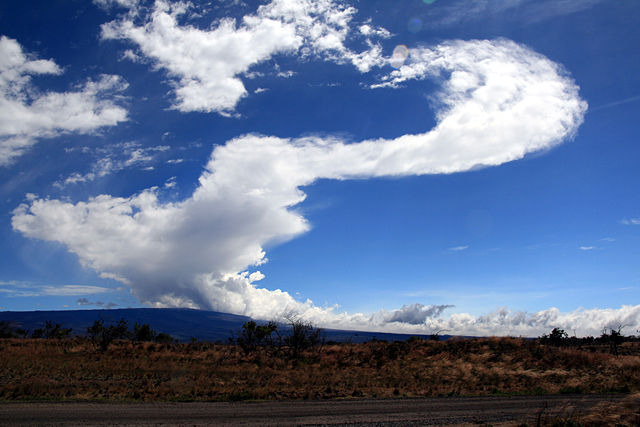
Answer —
384 412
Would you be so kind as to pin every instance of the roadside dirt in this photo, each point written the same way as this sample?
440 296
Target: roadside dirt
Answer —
502 411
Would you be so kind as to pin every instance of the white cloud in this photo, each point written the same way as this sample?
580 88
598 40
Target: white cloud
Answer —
500 102
114 158
107 4
27 115
170 183
206 65
131 56
587 248
516 323
459 248
286 74
630 221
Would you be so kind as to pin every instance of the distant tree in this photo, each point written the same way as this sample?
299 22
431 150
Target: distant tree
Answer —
102 336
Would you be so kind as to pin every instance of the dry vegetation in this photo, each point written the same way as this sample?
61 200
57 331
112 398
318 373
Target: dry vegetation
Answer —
72 369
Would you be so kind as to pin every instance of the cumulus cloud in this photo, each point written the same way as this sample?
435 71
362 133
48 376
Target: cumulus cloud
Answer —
499 101
206 65
27 114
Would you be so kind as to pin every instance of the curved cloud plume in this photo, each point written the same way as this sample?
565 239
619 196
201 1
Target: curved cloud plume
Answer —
498 102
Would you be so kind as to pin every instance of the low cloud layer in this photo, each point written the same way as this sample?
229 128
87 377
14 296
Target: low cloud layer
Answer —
22 289
205 65
498 102
86 302
28 115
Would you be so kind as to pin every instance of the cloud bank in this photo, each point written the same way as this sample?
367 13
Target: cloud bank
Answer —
498 102
205 65
27 115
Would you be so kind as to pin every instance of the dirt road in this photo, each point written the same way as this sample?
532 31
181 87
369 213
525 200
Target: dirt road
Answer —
432 411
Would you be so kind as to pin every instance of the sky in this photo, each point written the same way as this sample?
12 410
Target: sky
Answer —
411 166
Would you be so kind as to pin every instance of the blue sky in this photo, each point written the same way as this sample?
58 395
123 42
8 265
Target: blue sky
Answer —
400 166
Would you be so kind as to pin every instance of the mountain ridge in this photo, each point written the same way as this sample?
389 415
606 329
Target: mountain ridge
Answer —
183 324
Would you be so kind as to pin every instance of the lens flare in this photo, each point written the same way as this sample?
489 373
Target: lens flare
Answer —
400 54
428 1
414 25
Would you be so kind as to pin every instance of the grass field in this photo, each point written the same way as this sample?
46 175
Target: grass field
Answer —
72 369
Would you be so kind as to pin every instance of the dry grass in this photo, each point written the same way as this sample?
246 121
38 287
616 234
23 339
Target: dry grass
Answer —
72 370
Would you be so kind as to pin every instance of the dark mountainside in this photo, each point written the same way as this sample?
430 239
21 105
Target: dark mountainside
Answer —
181 323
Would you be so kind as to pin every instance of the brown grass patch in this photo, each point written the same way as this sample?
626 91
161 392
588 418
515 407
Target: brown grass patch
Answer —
72 370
